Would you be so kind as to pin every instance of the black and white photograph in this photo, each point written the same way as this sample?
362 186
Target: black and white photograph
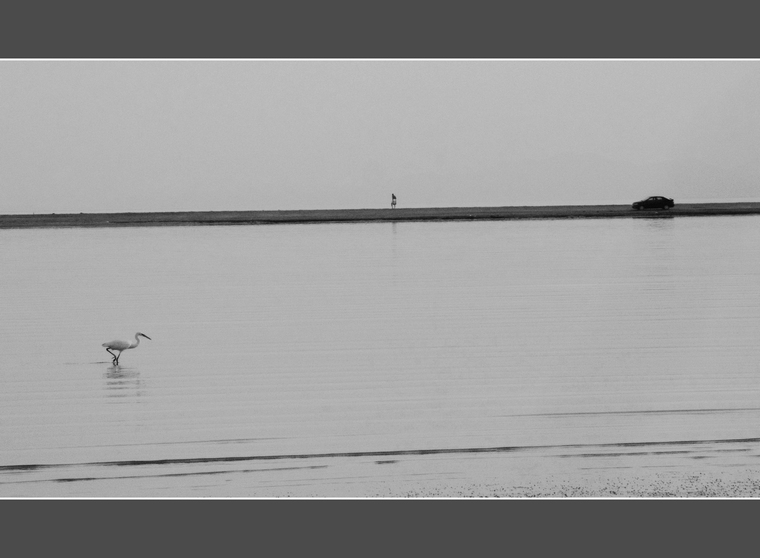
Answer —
380 278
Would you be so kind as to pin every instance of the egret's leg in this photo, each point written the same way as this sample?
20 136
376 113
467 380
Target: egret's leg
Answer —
113 356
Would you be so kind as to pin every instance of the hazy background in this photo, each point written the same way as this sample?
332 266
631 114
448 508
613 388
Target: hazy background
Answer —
112 136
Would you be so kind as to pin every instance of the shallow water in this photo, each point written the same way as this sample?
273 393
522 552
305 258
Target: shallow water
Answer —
282 354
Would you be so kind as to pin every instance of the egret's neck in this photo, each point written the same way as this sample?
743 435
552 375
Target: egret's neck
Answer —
136 343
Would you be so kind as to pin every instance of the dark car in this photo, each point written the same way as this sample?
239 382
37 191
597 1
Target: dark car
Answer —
655 202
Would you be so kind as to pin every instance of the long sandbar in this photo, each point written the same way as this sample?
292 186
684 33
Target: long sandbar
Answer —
184 218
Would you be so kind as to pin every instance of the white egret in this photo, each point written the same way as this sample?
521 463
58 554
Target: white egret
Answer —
123 346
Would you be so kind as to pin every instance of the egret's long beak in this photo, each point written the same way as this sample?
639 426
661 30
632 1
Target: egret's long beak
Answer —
146 337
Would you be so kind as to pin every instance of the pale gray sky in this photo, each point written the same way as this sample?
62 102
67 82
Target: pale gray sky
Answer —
112 136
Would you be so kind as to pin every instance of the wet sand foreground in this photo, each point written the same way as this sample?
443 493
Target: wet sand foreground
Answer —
368 215
693 469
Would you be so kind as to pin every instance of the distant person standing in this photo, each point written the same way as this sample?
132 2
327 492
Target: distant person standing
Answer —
393 201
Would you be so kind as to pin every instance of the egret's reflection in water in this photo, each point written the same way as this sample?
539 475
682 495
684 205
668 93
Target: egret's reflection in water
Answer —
123 383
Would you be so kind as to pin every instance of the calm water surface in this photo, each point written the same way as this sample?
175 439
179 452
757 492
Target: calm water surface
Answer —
296 340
